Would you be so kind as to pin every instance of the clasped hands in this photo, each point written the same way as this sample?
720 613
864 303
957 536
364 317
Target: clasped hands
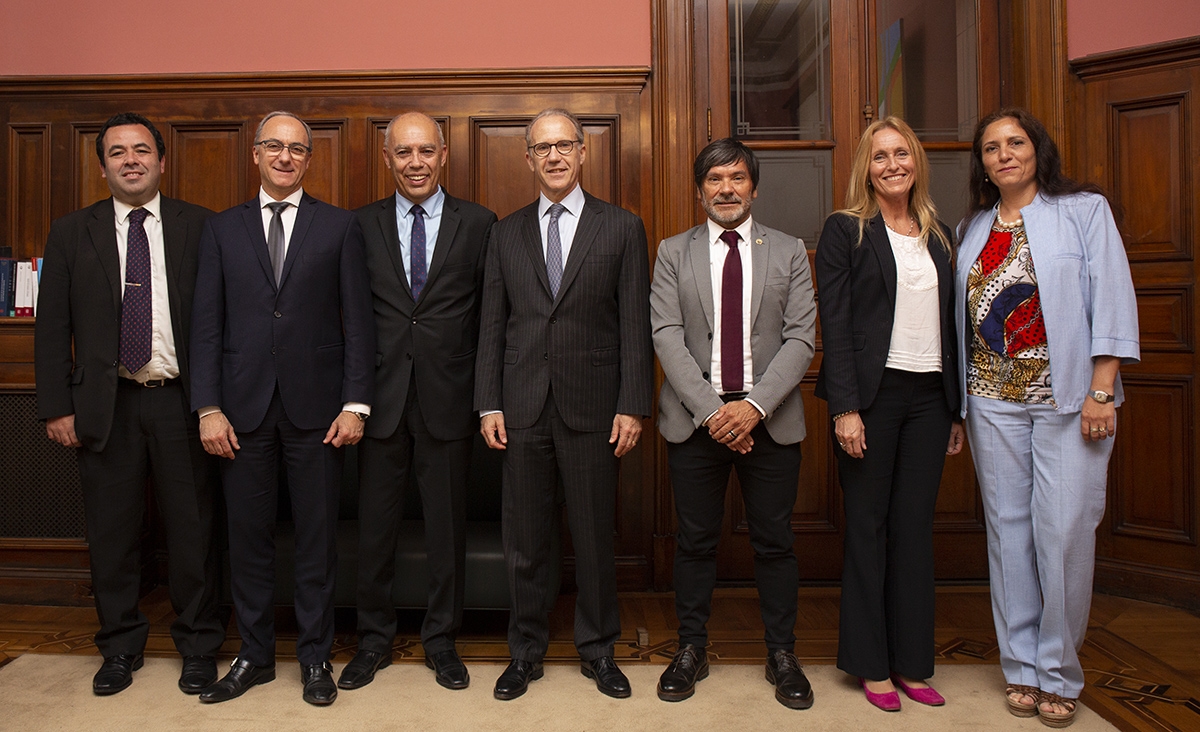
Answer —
732 423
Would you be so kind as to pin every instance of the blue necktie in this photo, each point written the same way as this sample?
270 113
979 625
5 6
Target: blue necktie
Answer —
136 310
417 252
554 259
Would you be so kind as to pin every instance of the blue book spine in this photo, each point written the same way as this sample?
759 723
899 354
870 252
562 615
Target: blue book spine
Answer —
7 283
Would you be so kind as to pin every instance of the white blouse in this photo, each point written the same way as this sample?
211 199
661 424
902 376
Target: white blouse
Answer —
916 343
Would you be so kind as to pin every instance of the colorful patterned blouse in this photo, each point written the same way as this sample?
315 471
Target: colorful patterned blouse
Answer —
1009 357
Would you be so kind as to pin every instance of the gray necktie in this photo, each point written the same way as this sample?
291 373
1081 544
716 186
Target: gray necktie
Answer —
275 243
554 258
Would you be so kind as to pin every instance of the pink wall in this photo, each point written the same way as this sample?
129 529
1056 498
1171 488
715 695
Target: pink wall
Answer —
1095 26
142 37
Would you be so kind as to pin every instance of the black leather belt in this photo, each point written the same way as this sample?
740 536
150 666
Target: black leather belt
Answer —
152 383
734 396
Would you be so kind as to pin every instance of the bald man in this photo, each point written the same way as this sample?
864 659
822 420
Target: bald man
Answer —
425 253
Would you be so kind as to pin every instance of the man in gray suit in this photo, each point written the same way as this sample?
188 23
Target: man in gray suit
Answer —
562 380
733 320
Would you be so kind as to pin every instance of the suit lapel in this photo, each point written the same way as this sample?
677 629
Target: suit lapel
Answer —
876 237
941 262
252 219
585 234
103 233
760 254
445 239
532 235
700 257
386 218
304 219
174 243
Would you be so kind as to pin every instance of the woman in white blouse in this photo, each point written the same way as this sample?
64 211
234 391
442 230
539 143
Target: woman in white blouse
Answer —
885 291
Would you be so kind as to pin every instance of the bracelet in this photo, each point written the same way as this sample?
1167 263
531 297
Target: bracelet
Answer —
836 417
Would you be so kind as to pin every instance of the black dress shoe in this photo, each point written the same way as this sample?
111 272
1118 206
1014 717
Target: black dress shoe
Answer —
449 669
242 675
792 689
515 679
199 673
319 689
115 674
361 669
678 682
609 679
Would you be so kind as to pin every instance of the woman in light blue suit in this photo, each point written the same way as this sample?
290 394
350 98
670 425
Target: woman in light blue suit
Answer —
1046 315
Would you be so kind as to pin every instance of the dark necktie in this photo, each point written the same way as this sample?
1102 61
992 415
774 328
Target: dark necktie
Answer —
416 254
554 259
275 242
732 357
136 310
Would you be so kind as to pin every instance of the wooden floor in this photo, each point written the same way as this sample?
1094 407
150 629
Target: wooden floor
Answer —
1142 661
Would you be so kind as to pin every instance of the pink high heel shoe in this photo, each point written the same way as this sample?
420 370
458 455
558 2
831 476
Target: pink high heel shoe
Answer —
889 702
927 696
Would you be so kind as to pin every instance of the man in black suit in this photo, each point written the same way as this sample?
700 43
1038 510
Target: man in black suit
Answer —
734 329
425 253
563 379
283 345
116 292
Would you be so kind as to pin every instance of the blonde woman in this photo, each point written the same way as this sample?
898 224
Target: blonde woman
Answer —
885 291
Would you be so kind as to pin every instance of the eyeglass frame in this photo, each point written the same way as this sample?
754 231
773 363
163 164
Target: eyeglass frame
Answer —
305 150
555 145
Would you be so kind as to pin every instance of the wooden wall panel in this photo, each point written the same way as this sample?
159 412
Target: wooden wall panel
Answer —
1165 317
29 180
206 162
503 181
1149 176
327 178
89 185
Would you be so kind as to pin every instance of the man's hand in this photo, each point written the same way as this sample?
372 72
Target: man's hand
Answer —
62 431
626 431
491 426
217 436
347 429
732 423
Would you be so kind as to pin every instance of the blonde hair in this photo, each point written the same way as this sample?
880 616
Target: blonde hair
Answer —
860 195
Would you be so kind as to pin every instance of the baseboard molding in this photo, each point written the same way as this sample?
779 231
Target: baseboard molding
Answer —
45 572
1153 584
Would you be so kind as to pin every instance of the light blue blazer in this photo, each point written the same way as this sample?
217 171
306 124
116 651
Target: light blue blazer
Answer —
1085 287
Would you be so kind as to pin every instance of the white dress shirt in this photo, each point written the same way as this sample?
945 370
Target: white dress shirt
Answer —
718 250
568 221
163 363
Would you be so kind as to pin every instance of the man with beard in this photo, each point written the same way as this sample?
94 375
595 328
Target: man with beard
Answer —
733 318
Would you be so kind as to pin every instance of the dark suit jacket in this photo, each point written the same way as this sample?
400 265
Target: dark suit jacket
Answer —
591 343
79 305
313 335
435 337
856 293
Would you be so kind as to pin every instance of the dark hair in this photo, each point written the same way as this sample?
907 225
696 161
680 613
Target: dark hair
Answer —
129 118
1049 175
725 152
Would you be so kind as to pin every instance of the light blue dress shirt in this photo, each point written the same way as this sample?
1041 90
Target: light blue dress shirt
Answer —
433 223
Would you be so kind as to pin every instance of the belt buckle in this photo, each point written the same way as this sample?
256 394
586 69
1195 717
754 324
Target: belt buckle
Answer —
155 383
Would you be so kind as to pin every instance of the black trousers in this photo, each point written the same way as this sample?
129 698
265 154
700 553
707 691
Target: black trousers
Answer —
441 469
153 434
889 495
536 460
314 473
769 475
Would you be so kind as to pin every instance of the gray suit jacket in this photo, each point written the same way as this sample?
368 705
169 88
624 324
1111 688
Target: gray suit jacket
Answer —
590 343
783 317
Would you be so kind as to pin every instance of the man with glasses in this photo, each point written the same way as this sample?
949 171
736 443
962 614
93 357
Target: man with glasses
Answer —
563 378
111 356
283 345
425 252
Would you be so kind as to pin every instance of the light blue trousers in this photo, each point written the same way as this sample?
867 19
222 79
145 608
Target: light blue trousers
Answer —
1043 489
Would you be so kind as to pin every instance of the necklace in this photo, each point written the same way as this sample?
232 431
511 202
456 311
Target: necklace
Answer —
1006 225
911 223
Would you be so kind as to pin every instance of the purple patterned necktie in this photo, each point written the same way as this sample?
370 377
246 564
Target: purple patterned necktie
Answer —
732 357
417 252
136 312
554 258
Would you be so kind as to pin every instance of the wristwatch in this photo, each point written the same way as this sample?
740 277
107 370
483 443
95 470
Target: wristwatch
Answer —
363 418
1101 396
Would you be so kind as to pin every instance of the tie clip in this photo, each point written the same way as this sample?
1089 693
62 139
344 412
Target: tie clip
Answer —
133 284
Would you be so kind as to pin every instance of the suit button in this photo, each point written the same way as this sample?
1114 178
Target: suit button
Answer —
414 321
545 356
408 356
710 336
114 363
278 314
553 321
272 350
705 374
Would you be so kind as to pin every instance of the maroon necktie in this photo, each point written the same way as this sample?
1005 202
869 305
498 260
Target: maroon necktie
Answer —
732 357
136 313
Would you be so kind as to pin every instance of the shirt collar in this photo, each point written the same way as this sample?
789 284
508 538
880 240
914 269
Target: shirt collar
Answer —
432 205
573 202
294 199
153 207
715 230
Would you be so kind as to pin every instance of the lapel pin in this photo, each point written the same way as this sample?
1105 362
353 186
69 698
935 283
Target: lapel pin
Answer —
758 241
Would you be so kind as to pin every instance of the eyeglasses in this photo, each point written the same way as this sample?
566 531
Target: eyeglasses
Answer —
564 147
275 147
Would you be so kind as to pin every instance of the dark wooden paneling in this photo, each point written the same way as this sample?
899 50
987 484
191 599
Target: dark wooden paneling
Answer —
205 163
328 178
1165 318
1149 175
29 179
89 185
